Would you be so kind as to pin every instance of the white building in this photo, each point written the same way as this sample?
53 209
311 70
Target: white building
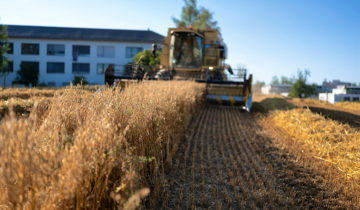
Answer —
341 93
62 53
279 89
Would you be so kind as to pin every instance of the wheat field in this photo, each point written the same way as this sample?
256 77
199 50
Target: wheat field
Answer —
157 145
85 149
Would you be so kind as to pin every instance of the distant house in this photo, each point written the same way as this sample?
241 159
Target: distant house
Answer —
334 84
279 89
341 93
60 53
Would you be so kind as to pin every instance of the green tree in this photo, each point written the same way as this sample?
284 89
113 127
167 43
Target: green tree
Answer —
287 80
146 58
300 88
275 80
3 50
28 74
80 80
199 18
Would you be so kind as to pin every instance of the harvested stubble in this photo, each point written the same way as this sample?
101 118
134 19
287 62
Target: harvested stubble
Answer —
334 144
92 151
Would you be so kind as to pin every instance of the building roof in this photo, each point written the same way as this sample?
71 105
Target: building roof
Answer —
92 34
280 85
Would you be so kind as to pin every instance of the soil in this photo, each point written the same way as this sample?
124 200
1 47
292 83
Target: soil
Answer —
227 162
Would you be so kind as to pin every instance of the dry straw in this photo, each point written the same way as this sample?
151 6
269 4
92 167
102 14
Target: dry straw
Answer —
92 150
327 140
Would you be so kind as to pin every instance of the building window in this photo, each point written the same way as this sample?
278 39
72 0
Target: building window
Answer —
81 50
10 66
356 99
81 68
346 98
55 68
131 51
101 67
55 49
106 51
29 49
11 48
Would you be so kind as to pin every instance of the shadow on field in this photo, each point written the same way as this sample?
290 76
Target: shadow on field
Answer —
301 187
340 116
17 109
270 104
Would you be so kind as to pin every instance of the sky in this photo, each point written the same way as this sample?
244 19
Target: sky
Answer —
277 37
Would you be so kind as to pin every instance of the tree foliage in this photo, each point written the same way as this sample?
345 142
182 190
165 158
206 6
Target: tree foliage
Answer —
146 58
287 80
28 74
199 18
80 80
3 50
300 88
275 80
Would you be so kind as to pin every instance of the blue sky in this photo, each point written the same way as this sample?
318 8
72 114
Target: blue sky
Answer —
275 37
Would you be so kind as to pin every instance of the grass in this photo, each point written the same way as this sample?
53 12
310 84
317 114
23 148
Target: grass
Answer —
92 150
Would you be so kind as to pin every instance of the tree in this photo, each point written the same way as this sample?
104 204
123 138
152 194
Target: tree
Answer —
146 58
146 65
287 80
80 80
300 88
3 50
275 80
28 74
199 18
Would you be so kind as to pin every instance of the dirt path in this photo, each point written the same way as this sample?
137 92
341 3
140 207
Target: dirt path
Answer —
226 163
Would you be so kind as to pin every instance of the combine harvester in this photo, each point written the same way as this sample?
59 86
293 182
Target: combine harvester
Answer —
199 55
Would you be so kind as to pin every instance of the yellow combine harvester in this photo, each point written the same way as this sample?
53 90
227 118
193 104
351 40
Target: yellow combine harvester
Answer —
200 55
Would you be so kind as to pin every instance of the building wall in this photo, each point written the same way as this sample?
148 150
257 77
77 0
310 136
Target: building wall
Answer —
276 89
333 98
62 78
266 89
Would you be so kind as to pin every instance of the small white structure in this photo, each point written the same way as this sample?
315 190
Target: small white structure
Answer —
341 93
60 53
279 89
